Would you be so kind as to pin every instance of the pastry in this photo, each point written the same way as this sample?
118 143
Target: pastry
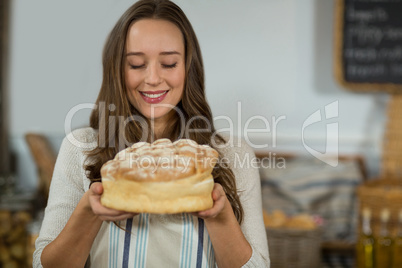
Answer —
162 177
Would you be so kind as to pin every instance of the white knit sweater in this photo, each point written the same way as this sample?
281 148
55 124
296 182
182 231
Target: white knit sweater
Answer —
69 183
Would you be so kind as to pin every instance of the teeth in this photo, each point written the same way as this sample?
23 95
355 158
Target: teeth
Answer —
153 95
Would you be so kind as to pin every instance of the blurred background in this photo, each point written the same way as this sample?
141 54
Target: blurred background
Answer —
274 57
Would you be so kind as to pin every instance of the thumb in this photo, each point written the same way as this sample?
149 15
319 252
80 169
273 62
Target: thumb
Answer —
97 188
216 194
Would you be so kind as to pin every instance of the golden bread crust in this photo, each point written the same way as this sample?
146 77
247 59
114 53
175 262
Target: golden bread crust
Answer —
162 177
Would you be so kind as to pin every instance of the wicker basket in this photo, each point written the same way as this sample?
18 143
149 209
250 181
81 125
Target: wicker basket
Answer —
386 191
378 194
290 248
391 165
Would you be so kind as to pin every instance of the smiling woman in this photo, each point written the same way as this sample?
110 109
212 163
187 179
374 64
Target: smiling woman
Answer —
153 83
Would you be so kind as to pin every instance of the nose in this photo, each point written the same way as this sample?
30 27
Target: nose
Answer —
153 77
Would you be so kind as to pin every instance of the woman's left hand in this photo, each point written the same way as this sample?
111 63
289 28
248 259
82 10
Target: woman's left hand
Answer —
220 203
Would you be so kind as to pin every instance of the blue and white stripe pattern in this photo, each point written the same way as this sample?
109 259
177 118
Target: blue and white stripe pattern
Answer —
150 240
141 241
114 238
187 239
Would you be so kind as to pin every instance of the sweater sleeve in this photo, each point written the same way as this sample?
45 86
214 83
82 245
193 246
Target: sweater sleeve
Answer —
66 190
242 161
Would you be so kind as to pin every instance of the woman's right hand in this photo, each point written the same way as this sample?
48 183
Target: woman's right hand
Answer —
104 213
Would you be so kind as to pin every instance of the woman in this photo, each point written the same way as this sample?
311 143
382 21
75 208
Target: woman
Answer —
153 87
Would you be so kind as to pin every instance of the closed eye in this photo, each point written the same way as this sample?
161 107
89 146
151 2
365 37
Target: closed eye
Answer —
137 66
169 66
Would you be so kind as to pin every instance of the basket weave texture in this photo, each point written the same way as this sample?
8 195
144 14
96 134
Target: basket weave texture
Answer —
386 191
292 248
378 194
392 145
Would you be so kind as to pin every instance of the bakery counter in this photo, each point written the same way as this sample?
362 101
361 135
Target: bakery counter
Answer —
17 230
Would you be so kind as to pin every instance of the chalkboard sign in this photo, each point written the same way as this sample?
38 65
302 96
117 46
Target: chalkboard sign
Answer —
368 45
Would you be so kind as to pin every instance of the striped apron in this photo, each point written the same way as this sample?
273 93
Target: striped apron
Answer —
150 240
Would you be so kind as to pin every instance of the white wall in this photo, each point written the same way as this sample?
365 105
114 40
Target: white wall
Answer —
273 56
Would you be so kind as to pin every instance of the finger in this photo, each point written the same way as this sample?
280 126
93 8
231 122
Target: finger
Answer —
219 203
205 213
104 211
216 195
217 192
212 212
97 188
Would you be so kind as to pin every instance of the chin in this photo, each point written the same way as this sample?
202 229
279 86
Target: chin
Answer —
158 113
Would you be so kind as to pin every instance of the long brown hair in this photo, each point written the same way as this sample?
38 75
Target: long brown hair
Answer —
113 110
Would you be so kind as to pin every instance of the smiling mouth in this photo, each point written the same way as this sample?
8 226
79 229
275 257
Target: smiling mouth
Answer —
154 95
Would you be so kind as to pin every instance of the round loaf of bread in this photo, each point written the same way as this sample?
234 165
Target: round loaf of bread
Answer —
161 177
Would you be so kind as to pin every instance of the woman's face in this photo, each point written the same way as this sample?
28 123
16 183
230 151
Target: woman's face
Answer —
155 67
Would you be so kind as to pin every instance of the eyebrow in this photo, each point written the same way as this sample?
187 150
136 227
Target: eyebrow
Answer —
173 52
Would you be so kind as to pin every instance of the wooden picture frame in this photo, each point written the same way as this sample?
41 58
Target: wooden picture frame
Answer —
339 58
